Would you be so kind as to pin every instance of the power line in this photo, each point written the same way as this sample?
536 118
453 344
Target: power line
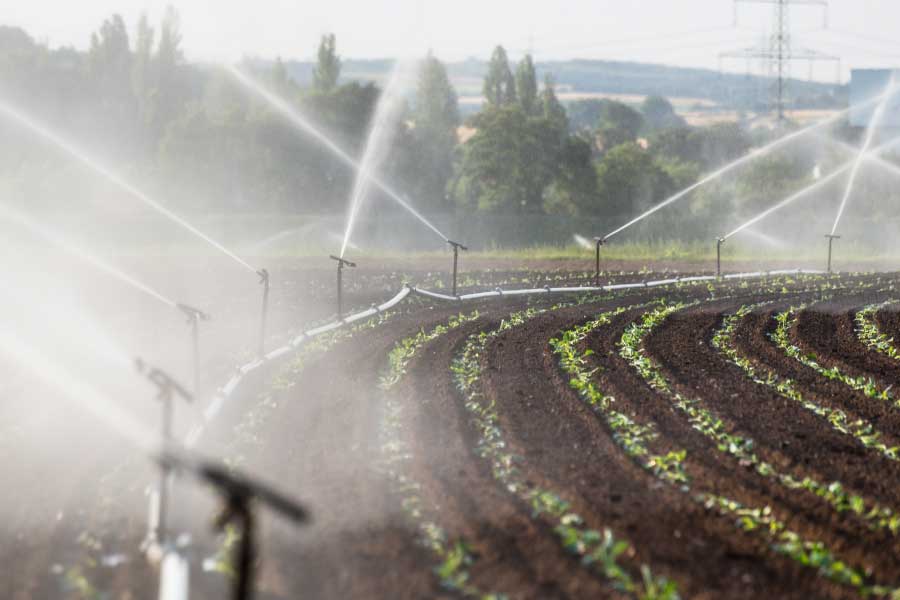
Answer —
779 53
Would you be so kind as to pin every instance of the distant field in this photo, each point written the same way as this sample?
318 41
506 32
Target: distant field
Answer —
566 95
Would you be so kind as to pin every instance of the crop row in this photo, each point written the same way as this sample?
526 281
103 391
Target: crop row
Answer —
782 540
599 550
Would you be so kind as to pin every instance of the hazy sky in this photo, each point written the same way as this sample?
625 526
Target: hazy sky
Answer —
681 32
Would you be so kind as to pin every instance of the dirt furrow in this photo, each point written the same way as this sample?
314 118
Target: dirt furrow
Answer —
789 437
564 443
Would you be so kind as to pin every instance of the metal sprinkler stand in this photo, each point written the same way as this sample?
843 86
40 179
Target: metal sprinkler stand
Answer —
239 494
600 242
719 242
167 390
831 237
340 268
456 248
264 280
194 316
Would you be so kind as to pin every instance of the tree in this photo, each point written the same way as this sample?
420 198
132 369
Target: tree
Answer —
109 62
142 80
170 92
328 65
585 114
499 85
508 164
660 114
629 181
526 87
574 190
619 123
436 117
552 108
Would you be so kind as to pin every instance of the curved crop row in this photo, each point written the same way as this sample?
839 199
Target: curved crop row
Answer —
860 429
785 321
741 448
599 550
869 334
783 540
454 556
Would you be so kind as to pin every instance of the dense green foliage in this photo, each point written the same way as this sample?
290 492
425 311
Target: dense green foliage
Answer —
190 135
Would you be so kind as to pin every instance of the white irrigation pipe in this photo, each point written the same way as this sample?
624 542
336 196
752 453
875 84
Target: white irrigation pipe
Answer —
226 391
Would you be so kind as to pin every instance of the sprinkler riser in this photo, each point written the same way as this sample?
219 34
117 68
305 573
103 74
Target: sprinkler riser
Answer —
831 237
719 243
600 242
456 248
341 263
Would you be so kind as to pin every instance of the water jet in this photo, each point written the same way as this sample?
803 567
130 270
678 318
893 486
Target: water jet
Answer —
341 263
299 122
456 248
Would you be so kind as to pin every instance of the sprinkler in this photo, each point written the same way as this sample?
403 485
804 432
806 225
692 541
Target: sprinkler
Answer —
340 267
600 241
456 248
831 237
194 316
264 280
719 242
238 493
167 390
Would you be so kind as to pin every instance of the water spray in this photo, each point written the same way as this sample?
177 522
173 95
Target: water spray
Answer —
94 165
264 280
456 248
291 115
819 183
743 160
831 237
861 155
168 389
719 242
340 268
600 242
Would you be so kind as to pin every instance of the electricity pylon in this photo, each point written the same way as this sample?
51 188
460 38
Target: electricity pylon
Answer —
779 52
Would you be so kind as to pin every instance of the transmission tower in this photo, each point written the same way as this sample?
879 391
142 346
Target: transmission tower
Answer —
779 53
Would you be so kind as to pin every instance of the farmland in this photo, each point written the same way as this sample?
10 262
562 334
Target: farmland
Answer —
700 439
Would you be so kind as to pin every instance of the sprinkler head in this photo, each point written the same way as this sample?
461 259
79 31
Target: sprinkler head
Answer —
342 262
720 240
457 245
831 236
232 484
193 314
166 385
263 276
600 240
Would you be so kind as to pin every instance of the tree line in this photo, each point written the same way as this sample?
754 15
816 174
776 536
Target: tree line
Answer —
206 145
